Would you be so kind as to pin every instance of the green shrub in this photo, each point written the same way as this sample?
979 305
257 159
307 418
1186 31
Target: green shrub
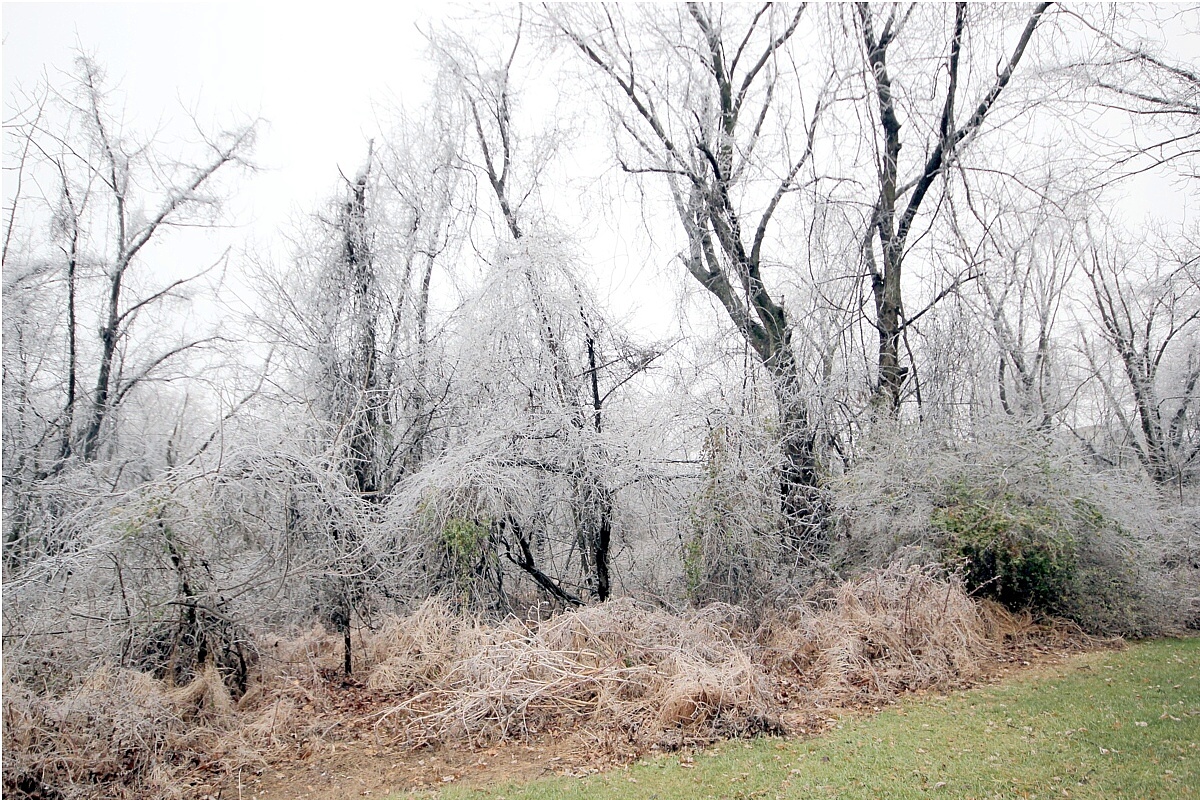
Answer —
1032 522
1015 550
464 543
464 538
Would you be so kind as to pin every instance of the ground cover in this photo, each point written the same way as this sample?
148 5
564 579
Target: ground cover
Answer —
450 701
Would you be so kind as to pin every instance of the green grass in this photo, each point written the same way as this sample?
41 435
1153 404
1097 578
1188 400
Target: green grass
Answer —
1107 725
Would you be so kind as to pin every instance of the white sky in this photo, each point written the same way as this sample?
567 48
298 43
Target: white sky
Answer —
315 72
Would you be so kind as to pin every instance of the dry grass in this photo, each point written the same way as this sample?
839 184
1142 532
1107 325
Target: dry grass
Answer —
646 674
415 653
628 673
898 629
120 734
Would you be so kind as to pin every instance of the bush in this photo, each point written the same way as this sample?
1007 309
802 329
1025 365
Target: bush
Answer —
1017 551
1030 521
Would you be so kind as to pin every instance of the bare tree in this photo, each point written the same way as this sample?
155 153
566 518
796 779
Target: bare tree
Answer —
98 171
1149 314
486 95
350 399
108 199
901 198
559 429
699 114
1021 259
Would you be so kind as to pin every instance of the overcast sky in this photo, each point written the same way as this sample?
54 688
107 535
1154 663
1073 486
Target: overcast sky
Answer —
320 75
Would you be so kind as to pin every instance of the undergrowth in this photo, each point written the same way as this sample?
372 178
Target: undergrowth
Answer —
1030 525
636 674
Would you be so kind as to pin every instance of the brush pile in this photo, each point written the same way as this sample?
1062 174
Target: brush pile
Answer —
622 672
646 674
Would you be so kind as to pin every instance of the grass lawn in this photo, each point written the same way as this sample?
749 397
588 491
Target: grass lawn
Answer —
1106 725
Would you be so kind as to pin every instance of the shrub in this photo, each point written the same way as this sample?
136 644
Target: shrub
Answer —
1030 521
1018 551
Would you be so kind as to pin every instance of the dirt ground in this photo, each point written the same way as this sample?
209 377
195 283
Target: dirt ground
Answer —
362 764
357 770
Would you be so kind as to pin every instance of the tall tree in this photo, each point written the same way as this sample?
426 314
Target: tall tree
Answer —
109 198
1021 260
902 196
700 109
115 196
488 98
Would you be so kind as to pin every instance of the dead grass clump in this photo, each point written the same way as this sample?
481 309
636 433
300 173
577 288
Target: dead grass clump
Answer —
120 734
734 698
205 699
651 676
270 725
399 654
894 630
309 651
413 653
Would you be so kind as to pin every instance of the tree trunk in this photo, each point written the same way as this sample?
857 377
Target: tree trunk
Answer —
109 336
800 496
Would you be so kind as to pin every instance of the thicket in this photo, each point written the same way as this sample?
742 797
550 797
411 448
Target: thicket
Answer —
1030 523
